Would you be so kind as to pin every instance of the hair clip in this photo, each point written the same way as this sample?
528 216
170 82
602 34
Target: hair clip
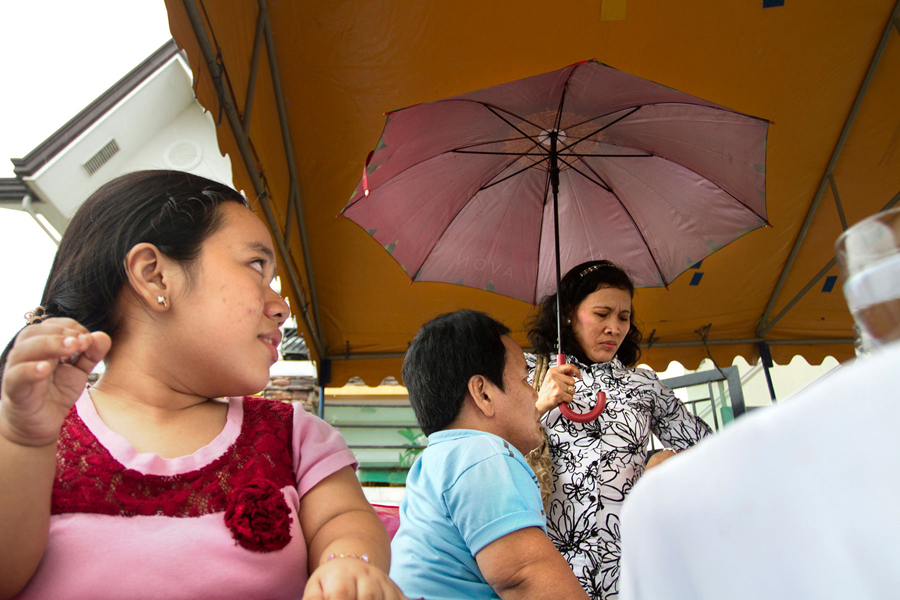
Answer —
591 268
35 316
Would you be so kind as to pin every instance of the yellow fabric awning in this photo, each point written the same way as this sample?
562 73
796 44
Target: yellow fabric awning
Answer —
341 65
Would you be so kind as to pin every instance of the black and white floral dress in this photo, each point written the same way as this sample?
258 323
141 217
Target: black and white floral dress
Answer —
596 464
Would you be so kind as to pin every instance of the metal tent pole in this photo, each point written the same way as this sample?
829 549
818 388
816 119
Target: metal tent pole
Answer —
324 379
216 72
766 358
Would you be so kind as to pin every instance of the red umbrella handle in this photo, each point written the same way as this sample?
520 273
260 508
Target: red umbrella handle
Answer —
584 417
581 417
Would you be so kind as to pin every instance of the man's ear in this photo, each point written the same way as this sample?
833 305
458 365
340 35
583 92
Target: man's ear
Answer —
151 275
480 389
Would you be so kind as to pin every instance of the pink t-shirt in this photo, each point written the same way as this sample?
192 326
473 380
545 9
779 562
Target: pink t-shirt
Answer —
102 556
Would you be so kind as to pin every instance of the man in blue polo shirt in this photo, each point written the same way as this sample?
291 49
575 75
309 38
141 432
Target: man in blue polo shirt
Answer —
472 523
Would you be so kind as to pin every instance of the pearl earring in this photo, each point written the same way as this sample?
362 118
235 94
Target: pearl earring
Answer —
162 301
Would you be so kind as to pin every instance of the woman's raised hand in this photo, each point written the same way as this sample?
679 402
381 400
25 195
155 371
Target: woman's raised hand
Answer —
558 387
46 371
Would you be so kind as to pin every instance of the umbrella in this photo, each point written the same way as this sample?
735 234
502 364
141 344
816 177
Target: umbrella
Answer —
503 188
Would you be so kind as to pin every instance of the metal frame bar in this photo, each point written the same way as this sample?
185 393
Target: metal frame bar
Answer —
812 282
254 69
712 404
893 202
735 391
216 73
288 217
294 196
729 375
837 201
756 341
696 378
764 325
732 377
765 359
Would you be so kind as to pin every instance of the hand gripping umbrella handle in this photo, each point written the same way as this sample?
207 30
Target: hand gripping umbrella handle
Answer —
581 417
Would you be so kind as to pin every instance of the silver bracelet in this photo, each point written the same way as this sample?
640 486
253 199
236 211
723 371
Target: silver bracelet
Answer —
362 557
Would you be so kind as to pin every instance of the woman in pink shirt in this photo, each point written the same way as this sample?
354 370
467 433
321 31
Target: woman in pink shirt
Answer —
160 480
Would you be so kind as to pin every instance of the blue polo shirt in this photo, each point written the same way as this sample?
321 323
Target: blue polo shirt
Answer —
467 489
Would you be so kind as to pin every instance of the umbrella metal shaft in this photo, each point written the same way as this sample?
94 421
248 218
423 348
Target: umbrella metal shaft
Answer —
561 357
554 187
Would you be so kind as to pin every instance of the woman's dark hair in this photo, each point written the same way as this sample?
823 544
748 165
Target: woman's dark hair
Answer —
580 282
173 210
446 352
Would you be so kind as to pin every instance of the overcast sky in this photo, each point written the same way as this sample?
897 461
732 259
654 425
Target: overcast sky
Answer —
58 56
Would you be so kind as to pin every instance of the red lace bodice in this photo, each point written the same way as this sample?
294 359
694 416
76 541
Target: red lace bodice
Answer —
90 480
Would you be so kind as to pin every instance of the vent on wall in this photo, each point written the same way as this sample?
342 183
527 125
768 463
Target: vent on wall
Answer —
101 157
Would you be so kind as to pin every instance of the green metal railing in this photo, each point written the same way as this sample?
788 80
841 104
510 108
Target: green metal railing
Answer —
386 439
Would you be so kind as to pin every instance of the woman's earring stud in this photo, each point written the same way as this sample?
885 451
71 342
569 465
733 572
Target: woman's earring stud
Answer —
162 301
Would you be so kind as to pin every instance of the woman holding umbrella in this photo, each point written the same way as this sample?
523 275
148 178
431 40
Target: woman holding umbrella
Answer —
587 469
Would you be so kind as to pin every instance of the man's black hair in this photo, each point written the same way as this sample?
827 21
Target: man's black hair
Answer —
446 352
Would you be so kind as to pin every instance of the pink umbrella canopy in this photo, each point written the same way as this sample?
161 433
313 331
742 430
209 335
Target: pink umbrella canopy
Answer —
650 178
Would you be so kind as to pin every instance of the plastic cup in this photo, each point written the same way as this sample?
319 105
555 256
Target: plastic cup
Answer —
869 258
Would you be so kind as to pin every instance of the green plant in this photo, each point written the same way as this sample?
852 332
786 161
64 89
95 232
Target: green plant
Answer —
413 447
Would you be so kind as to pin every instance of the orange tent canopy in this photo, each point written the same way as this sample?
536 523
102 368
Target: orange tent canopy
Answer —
300 89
